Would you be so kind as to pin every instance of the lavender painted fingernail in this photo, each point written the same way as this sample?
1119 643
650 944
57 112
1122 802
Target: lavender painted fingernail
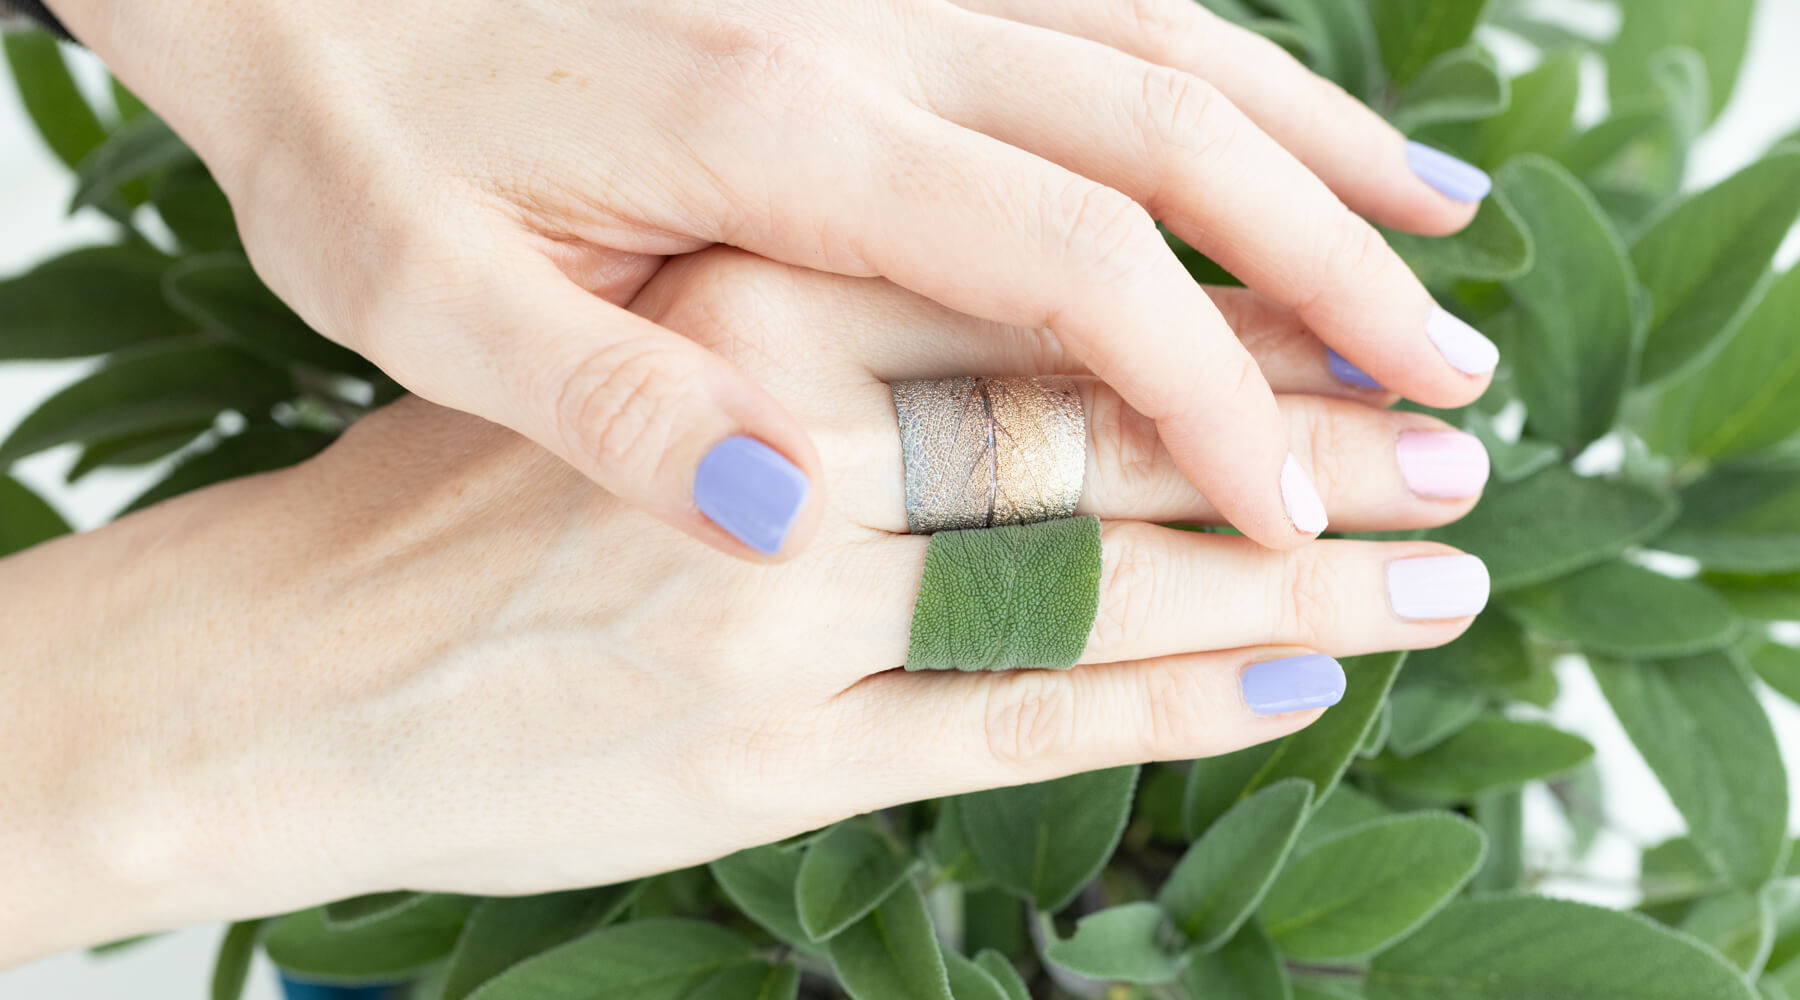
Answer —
1292 684
1437 587
752 491
1304 508
1347 373
1461 344
1442 465
1453 178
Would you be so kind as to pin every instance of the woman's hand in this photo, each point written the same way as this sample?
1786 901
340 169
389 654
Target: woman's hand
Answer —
459 190
435 657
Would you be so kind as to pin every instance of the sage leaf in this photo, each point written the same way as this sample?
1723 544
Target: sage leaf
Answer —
1342 45
1579 330
1219 881
1320 752
663 958
134 449
1739 924
1704 260
1595 520
384 951
501 932
1215 784
844 875
195 210
1343 809
1768 598
1740 520
1463 85
1491 658
751 981
1493 752
1003 973
63 117
1246 968
25 519
1779 667
1123 944
761 882
1622 609
1718 32
1541 114
1046 841
87 302
1725 775
1415 35
220 292
346 914
1371 885
1424 715
231 969
1527 948
1749 396
1497 246
969 981
893 953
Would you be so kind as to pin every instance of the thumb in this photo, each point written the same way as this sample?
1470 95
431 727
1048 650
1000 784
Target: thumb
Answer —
646 413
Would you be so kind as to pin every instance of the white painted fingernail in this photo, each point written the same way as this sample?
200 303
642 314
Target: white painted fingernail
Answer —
1461 344
1436 587
1304 508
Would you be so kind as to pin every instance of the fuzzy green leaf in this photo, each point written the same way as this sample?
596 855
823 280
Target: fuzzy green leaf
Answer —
1748 397
893 953
1621 609
1779 667
1046 841
1424 715
1491 659
1415 34
1353 894
1541 114
1740 520
1704 260
1697 723
1525 948
383 951
1579 329
1345 808
1596 519
1223 876
1004 974
1246 968
969 981
1463 85
751 981
1124 944
760 881
658 959
1739 924
844 875
1719 32
134 150
1215 784
1493 752
1495 247
501 933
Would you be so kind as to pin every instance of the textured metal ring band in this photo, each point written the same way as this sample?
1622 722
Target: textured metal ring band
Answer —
981 452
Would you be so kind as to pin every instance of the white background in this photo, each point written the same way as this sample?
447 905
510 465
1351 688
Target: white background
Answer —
34 189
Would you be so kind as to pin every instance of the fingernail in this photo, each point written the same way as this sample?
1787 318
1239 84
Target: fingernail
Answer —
1292 684
1437 587
1442 465
1461 344
1454 179
1304 508
1347 373
752 491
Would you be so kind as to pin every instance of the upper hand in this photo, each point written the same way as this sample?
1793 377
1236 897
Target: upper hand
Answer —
468 193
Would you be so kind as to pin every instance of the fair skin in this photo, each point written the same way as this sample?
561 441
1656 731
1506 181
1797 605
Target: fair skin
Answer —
437 658
468 194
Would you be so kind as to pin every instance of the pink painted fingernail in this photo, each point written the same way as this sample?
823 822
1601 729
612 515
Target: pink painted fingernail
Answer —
1304 508
1442 465
1437 587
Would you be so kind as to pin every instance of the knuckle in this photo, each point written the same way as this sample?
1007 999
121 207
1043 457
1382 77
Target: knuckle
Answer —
1128 450
1355 257
623 405
1185 116
1154 24
746 54
1306 607
1104 233
1130 586
1030 717
1181 710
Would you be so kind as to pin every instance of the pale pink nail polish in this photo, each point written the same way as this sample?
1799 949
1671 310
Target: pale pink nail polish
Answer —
1301 497
1430 588
1442 465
